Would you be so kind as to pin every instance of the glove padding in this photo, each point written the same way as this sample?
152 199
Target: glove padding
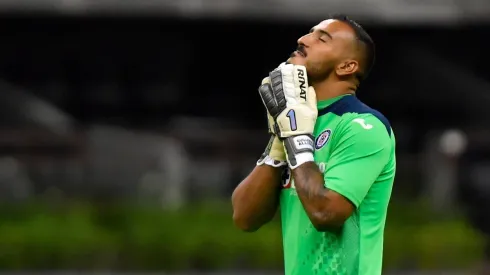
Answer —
266 83
274 154
270 120
292 105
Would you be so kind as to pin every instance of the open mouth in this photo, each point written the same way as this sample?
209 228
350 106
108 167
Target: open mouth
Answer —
300 51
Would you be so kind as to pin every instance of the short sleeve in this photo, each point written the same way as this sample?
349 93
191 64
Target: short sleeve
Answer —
362 151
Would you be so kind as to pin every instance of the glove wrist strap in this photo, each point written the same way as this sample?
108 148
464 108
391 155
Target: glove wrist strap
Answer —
271 162
299 150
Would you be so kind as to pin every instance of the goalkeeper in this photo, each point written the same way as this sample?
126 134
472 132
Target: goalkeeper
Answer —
335 157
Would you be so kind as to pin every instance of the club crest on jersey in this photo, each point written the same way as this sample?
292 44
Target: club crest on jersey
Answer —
322 139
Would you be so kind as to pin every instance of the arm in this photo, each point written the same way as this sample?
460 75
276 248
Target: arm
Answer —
256 198
356 161
326 209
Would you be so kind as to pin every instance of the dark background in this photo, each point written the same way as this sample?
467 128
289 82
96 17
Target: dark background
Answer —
122 137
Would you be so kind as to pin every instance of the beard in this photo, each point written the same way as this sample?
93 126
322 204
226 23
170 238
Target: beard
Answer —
318 73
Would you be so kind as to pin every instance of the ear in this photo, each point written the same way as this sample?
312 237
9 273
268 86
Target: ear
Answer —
347 67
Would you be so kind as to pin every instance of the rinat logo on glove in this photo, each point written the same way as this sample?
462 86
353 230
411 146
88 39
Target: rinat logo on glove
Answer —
302 94
302 84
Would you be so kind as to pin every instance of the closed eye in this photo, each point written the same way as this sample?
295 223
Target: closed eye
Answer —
322 34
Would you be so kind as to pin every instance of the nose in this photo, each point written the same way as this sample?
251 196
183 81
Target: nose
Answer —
303 40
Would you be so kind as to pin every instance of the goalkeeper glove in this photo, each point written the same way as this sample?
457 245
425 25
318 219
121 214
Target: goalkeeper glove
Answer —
292 105
274 154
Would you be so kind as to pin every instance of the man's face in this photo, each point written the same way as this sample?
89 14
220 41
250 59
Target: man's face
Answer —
326 46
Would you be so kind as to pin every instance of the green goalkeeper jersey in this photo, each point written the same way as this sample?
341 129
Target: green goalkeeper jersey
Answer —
355 151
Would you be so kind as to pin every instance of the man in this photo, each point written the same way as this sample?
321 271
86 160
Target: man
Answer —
340 153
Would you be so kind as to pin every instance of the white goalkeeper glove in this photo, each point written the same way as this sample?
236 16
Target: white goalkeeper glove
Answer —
292 105
274 154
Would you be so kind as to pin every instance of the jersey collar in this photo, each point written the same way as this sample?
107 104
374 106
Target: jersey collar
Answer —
325 103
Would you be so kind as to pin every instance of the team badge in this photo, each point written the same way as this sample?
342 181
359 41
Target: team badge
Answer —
323 138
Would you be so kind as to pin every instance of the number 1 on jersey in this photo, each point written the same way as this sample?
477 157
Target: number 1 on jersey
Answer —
292 120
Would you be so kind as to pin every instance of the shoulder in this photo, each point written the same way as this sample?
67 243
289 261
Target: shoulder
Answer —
358 117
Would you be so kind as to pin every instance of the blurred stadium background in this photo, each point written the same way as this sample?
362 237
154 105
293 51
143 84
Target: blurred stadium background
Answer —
125 125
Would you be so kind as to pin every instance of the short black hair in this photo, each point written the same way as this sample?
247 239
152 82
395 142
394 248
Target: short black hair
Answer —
363 37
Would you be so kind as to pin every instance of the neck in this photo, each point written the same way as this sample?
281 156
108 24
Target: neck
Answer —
331 88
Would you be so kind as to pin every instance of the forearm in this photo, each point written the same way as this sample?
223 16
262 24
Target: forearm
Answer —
256 198
313 194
